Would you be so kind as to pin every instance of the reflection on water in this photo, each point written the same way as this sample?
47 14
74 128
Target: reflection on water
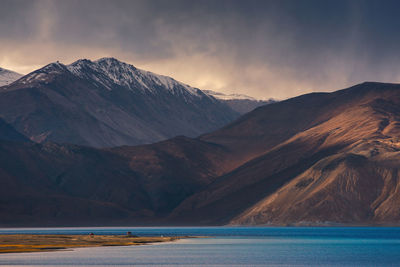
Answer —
230 246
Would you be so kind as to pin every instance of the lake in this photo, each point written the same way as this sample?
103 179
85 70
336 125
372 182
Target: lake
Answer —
231 246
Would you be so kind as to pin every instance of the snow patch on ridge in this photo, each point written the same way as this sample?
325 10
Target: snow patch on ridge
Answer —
7 76
41 75
113 74
110 72
168 82
223 96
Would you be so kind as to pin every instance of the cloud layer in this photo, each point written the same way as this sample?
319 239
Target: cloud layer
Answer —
260 48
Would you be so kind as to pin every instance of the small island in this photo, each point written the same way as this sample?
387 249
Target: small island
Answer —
36 243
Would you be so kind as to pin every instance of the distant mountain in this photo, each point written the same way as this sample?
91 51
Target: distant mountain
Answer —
107 103
316 159
238 102
8 76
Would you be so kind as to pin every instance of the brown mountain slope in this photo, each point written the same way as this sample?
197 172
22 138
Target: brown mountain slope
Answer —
256 132
359 187
314 158
367 112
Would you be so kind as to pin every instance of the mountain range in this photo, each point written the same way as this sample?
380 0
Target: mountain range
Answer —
239 102
107 103
316 159
319 158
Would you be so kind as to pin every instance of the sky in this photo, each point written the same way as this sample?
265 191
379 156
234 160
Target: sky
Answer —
264 49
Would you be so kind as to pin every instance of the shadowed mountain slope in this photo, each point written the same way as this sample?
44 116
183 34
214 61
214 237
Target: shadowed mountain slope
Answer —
8 133
67 184
316 158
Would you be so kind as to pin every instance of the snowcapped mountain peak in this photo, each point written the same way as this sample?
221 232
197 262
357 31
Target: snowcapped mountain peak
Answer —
42 75
55 67
114 65
108 103
112 74
82 62
223 96
238 102
8 76
111 61
109 72
171 84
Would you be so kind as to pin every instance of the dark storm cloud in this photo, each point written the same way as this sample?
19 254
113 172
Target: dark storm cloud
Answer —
262 48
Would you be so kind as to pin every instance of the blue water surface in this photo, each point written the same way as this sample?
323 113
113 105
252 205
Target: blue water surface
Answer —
240 246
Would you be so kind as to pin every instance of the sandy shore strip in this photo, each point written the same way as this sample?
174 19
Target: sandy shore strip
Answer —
36 243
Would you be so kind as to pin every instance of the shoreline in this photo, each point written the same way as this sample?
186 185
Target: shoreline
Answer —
19 243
